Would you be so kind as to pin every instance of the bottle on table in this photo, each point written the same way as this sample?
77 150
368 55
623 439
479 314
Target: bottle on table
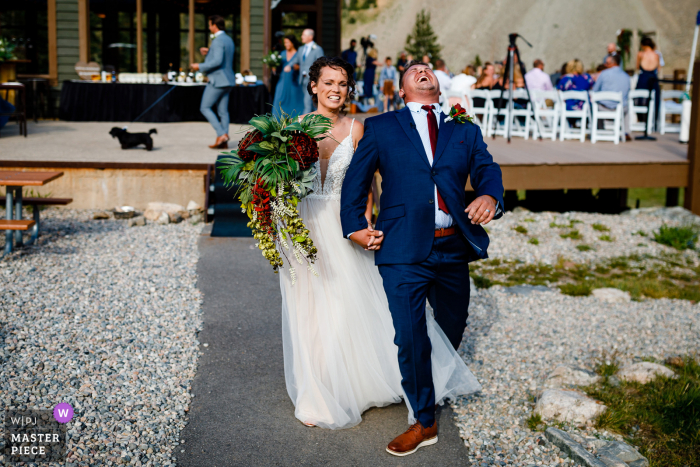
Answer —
171 73
181 77
114 76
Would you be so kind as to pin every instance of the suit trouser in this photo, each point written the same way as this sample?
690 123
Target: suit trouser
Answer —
218 97
443 278
308 103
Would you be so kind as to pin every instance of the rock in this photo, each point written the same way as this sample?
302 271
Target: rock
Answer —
644 372
578 453
196 218
611 295
611 461
100 215
675 361
163 218
622 451
175 217
193 206
518 209
567 406
154 210
473 292
564 375
139 221
526 289
184 214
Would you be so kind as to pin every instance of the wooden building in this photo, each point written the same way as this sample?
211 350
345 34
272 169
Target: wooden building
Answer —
154 35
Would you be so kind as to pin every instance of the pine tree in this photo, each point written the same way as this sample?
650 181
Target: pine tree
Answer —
422 40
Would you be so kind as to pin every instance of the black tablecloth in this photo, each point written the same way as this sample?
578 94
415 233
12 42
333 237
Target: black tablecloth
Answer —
107 102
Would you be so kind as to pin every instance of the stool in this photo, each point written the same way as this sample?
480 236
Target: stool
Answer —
21 107
38 90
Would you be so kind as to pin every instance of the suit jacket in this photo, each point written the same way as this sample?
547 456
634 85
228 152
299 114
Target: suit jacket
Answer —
315 52
392 144
218 64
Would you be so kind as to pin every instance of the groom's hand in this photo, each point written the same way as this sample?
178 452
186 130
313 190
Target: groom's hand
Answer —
481 210
368 238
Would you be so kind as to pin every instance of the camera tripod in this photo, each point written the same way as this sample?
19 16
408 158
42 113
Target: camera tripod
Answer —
514 52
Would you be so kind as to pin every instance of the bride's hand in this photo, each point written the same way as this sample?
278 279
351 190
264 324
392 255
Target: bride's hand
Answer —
369 239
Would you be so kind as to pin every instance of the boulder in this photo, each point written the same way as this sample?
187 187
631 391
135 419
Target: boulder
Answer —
611 295
139 221
563 376
624 452
100 215
163 218
193 206
644 372
567 445
196 218
175 217
154 210
567 406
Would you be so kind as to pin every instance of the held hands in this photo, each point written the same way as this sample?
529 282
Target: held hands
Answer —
477 210
369 239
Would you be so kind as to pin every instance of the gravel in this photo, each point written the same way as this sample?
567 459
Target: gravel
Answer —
104 317
517 336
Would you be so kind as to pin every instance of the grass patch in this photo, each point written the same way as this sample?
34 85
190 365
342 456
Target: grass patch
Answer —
481 282
533 241
662 418
641 233
584 247
534 421
680 238
573 235
529 219
520 229
600 227
576 289
606 238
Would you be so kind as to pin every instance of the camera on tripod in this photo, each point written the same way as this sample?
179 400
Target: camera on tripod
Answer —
366 42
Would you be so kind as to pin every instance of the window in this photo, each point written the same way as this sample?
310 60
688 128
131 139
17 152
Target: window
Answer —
25 24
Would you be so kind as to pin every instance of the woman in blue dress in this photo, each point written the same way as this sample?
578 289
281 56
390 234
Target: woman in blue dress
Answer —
289 97
575 80
371 63
648 63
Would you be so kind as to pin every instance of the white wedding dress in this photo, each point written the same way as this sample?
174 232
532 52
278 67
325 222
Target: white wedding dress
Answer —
338 336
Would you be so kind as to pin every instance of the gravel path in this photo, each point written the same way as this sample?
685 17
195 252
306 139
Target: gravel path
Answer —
517 336
104 317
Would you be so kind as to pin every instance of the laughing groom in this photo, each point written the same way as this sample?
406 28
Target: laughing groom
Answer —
425 235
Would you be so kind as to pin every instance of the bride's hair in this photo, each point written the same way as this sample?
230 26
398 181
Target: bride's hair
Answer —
337 64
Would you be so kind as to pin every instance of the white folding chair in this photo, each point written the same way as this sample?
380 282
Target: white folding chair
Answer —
452 97
617 115
517 115
494 114
669 107
569 132
634 110
480 112
547 117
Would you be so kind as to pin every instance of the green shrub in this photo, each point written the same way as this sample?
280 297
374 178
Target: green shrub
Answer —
600 227
606 238
573 235
577 289
680 238
533 241
481 282
520 229
584 247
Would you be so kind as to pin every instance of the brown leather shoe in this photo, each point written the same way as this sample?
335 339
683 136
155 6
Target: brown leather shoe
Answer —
413 439
220 143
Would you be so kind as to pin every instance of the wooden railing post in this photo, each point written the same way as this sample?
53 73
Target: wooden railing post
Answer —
692 192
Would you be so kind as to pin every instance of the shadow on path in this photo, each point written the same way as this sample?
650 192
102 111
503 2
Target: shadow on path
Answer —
242 415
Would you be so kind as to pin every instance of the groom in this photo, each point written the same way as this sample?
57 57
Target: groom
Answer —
425 236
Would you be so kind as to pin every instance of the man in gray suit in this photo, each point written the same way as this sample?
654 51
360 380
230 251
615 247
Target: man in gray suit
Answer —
302 61
218 65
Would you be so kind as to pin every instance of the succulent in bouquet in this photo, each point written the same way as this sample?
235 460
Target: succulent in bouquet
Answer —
273 170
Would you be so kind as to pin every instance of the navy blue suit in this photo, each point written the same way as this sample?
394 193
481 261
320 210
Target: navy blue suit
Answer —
415 265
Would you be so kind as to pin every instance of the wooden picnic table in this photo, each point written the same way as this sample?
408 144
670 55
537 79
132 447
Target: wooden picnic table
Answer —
13 223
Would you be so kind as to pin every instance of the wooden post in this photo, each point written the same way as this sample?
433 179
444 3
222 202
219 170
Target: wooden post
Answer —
190 37
139 36
84 30
245 35
692 191
267 36
53 43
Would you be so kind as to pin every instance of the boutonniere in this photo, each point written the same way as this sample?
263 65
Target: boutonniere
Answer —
459 115
313 46
212 36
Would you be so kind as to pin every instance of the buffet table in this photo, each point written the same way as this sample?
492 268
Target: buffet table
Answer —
84 101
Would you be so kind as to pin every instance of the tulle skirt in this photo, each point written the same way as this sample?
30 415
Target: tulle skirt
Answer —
339 353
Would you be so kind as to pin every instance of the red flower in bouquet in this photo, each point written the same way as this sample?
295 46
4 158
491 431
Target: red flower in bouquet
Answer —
459 115
304 150
251 137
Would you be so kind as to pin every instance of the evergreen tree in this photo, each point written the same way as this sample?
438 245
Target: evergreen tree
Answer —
354 5
422 40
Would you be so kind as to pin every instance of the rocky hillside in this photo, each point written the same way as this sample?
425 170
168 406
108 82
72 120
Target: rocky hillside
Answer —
559 30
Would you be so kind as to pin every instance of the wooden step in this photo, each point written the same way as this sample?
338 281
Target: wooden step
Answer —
16 224
42 201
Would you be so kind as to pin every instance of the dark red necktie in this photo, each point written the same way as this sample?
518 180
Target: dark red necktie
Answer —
433 132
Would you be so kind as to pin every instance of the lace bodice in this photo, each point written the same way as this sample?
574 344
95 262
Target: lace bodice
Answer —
329 187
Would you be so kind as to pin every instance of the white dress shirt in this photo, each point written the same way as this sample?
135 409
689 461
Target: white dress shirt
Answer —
420 117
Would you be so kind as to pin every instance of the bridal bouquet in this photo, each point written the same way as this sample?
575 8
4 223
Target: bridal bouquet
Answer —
273 169
273 59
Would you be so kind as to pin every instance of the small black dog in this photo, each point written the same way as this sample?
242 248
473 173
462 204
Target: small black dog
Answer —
131 140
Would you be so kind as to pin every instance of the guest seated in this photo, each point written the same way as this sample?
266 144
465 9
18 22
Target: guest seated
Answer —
537 79
575 80
616 80
487 78
443 77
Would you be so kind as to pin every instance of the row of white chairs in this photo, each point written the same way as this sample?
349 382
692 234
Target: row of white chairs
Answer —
553 117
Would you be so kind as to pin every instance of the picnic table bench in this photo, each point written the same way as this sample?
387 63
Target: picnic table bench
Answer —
14 224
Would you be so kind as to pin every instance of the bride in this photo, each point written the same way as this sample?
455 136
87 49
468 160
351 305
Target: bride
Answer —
339 353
